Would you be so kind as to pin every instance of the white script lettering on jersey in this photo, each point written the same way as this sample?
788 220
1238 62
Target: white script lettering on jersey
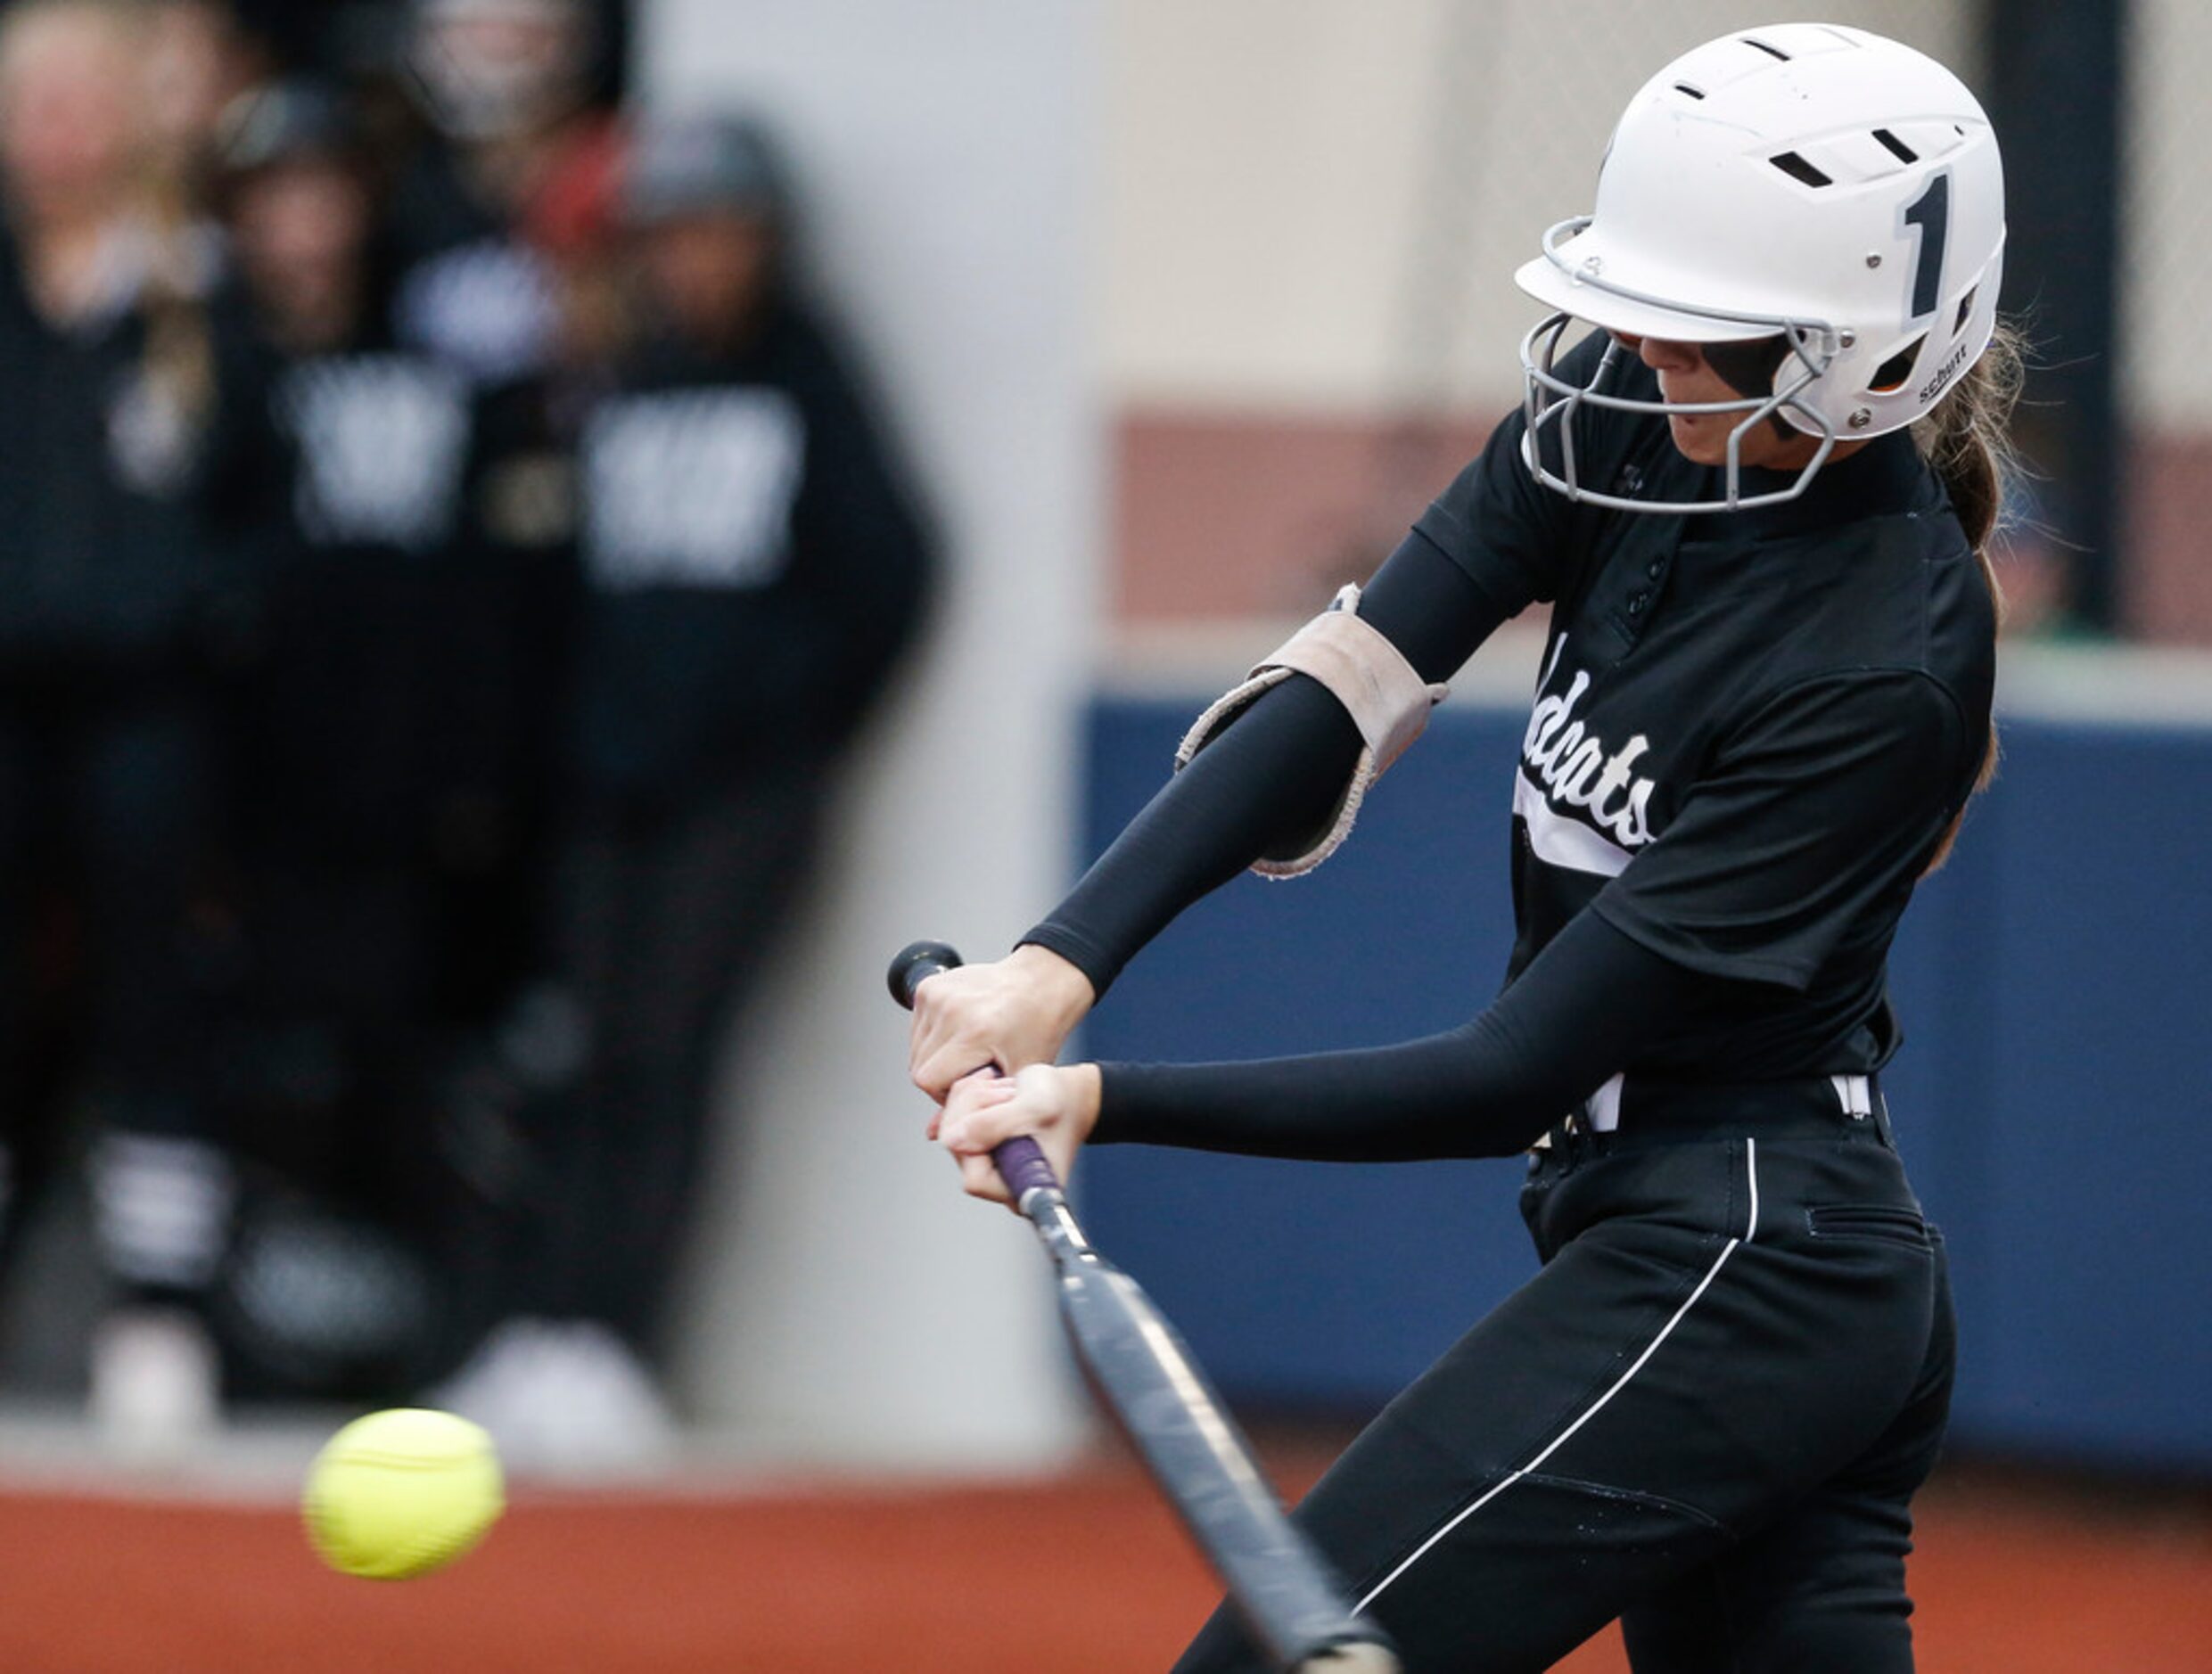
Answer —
692 488
382 441
1565 767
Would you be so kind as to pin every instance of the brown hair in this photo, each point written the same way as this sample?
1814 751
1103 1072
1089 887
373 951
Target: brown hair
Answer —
1968 438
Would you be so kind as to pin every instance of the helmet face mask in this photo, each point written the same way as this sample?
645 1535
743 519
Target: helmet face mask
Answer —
1551 401
1818 184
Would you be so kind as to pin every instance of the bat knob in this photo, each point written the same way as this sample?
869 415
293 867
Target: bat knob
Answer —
915 964
1352 1659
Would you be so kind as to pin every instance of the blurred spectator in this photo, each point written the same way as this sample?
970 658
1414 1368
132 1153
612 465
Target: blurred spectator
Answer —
382 775
197 61
295 200
334 38
130 490
751 566
508 86
349 40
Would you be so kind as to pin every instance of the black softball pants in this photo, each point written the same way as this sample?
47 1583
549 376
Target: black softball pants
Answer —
119 788
109 794
1706 1415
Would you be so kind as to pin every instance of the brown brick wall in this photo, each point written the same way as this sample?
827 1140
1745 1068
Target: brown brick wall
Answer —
1228 514
2168 595
1234 514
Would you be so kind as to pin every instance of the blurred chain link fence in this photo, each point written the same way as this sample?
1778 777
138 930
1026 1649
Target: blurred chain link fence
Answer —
1327 206
1524 92
1523 97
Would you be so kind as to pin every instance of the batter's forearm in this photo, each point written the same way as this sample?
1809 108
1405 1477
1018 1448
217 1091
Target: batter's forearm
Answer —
1277 770
1585 1009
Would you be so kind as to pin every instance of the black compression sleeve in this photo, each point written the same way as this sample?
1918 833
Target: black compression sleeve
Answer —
1585 1008
1278 768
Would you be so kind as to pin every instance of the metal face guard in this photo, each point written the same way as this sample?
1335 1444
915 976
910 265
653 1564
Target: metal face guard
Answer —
1550 400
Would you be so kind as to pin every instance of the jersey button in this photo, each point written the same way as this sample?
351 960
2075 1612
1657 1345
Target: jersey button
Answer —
1636 603
1657 565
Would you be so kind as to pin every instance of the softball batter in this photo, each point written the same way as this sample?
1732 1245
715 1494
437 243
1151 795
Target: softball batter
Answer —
1756 497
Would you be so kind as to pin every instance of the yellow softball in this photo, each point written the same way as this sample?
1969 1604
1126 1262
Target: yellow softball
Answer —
401 1493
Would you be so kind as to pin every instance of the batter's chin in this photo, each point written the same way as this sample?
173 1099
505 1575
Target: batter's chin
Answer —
1696 439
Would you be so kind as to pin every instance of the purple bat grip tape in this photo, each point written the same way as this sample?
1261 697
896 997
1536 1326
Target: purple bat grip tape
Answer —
1022 1165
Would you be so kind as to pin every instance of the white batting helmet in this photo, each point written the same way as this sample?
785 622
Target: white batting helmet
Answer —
1820 184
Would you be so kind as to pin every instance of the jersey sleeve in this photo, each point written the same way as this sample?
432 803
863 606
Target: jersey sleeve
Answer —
1819 807
1515 538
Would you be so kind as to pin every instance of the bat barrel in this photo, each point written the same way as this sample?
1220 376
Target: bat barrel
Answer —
1292 1602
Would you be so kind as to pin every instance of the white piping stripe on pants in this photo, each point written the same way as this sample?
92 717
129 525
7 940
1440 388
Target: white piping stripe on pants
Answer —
1751 1179
1751 1227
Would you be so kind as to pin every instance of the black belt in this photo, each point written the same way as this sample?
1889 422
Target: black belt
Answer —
1649 1111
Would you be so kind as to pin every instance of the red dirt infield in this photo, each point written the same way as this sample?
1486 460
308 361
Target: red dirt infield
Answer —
1087 1575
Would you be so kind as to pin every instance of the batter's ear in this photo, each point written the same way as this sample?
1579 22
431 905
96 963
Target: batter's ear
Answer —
1388 700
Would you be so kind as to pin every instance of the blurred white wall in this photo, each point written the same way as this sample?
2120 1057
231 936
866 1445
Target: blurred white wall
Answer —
846 1298
1320 205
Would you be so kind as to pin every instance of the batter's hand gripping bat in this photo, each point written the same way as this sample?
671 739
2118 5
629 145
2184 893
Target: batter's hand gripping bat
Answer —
1292 1602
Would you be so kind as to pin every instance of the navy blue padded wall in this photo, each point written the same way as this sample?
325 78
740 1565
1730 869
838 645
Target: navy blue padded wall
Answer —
1304 1283
2098 1150
2053 1097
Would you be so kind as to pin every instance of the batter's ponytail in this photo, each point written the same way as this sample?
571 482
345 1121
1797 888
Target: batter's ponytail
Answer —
1968 438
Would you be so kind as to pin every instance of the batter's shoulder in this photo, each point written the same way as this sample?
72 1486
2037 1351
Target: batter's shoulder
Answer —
1907 612
1903 591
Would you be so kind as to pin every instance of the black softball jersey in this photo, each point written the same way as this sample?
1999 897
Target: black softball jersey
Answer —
1752 732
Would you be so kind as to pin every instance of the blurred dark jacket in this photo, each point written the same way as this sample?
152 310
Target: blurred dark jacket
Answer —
137 491
751 566
380 729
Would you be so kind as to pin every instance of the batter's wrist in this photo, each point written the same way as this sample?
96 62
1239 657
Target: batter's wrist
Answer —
1059 984
1085 1090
